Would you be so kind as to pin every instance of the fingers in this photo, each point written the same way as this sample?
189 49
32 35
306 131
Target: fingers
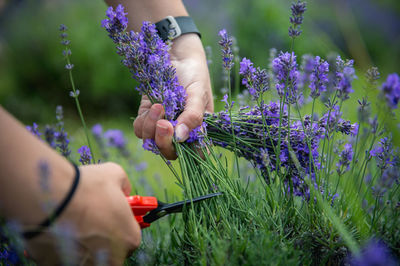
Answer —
149 125
192 116
144 108
163 138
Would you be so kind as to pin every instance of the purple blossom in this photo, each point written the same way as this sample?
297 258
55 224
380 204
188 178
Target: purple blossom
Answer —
226 48
97 130
345 158
147 57
255 80
344 77
375 253
49 136
286 73
62 142
385 182
85 155
116 21
391 90
296 19
115 138
319 77
150 145
34 129
141 166
384 153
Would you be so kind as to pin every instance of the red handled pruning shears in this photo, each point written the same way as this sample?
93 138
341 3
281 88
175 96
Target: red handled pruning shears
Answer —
149 209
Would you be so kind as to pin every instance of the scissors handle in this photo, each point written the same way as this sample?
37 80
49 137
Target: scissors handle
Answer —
140 206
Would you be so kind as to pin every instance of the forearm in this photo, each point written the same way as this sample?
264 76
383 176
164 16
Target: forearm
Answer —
149 10
22 195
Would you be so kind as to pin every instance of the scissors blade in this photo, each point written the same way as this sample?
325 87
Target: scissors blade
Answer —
165 209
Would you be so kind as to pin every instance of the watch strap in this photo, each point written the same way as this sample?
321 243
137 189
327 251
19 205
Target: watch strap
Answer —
173 27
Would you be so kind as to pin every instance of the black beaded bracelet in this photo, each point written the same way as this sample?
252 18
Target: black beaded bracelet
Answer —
50 220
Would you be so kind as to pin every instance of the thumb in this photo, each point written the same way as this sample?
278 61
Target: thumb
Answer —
191 118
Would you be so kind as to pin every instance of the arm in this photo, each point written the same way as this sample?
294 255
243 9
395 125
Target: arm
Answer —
188 57
98 207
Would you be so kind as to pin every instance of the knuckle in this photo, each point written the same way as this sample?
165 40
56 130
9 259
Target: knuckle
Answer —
196 117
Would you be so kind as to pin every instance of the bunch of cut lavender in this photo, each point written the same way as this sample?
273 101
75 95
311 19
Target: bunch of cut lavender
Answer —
147 58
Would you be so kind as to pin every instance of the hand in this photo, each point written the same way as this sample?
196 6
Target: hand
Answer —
100 218
188 57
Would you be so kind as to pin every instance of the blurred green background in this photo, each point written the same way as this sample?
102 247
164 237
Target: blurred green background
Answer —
33 79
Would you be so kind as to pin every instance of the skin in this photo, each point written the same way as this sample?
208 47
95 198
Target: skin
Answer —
188 57
99 214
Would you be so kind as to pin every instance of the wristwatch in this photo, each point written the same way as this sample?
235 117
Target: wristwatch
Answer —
173 27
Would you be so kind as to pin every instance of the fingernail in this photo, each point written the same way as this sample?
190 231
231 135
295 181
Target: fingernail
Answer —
162 130
155 113
181 132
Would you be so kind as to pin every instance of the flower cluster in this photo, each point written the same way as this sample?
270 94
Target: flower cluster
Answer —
374 253
55 136
85 155
318 77
345 158
226 48
344 77
147 58
391 90
384 153
285 69
296 19
255 80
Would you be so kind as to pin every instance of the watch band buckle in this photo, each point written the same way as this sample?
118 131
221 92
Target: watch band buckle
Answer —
170 28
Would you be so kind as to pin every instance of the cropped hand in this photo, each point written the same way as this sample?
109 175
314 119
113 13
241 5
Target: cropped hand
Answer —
100 218
188 57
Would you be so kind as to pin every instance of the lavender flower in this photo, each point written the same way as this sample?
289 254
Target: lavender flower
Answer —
227 53
147 57
141 166
256 81
286 73
344 77
49 136
62 142
384 153
375 253
385 182
115 138
150 145
85 155
97 131
364 110
319 77
296 19
391 90
345 158
34 129
373 75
